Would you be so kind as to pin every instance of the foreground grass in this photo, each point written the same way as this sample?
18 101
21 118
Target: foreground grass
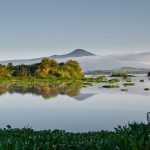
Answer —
132 137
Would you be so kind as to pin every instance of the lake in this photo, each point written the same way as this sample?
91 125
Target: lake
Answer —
74 108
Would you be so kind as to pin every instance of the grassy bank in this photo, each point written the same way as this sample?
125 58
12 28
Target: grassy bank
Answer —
31 80
132 137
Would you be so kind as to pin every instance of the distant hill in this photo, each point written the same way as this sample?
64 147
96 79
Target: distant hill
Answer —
92 62
75 53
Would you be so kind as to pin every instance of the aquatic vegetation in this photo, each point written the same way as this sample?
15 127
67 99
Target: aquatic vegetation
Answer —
128 84
134 136
147 89
101 79
141 80
95 80
126 90
88 83
110 86
112 81
127 79
31 80
121 74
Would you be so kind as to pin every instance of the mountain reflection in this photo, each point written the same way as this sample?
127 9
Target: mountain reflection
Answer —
47 92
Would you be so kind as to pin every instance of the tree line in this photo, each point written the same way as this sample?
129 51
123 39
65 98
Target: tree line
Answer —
46 68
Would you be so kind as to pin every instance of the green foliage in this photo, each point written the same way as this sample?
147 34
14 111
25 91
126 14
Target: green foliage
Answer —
21 70
96 80
112 81
71 69
132 137
120 74
4 71
45 69
127 79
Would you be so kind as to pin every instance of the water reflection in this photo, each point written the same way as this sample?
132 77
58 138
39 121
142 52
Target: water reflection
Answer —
47 92
83 96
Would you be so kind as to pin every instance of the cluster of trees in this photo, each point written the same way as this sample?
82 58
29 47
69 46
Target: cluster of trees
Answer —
47 67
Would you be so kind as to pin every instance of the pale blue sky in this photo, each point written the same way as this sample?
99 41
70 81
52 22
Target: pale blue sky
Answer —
35 28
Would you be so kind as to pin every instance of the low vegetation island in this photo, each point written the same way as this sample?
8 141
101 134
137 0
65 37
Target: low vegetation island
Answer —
45 72
46 68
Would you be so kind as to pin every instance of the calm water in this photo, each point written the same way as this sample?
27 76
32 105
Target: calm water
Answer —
73 108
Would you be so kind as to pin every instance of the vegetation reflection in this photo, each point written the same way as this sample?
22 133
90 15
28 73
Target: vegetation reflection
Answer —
47 92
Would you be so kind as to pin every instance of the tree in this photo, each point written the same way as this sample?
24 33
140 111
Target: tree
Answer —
21 70
74 69
47 66
4 71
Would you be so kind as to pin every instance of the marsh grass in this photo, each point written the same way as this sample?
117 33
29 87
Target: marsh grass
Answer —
128 84
112 81
134 136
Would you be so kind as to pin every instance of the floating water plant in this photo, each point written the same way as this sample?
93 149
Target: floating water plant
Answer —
147 89
112 81
110 86
127 79
128 84
126 90
121 74
141 80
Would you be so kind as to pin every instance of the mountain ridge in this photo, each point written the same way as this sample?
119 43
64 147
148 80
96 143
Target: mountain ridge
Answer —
75 53
89 61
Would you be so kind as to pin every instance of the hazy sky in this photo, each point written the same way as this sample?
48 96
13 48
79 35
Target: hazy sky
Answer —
35 28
